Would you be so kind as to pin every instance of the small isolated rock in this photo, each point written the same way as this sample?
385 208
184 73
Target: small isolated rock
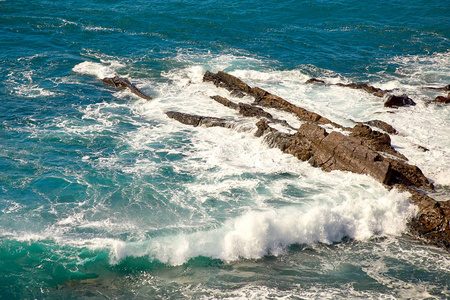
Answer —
315 80
397 101
423 149
443 99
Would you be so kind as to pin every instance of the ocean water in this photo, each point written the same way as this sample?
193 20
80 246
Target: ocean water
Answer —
104 197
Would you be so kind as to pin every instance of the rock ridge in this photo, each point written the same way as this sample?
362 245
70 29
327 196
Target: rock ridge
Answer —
362 150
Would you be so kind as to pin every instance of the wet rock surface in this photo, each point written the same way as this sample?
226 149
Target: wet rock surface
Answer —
195 120
360 150
398 101
119 82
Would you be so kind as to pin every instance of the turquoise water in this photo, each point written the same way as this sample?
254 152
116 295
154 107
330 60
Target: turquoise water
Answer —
103 196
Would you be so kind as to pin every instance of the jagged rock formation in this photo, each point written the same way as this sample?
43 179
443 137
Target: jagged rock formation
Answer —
118 82
375 140
263 98
329 151
362 150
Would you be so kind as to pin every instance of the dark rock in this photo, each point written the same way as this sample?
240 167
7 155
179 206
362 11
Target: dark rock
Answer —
334 151
422 148
397 101
315 80
244 109
382 125
118 82
224 101
195 120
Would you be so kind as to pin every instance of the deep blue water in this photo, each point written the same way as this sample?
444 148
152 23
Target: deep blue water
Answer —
102 196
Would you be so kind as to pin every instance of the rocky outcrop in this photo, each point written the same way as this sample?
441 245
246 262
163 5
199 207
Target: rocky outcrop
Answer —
359 150
119 82
237 87
329 151
263 98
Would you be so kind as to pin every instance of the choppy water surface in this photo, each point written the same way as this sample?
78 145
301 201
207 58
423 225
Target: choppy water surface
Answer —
103 196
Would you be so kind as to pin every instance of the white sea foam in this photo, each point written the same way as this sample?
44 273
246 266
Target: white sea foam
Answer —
23 84
423 125
99 70
301 291
416 70
259 233
267 216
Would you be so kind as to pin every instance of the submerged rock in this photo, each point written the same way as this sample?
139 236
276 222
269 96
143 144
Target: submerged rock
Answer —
444 88
119 82
365 87
361 86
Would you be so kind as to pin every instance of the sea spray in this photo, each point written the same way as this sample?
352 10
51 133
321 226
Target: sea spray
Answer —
99 188
269 232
